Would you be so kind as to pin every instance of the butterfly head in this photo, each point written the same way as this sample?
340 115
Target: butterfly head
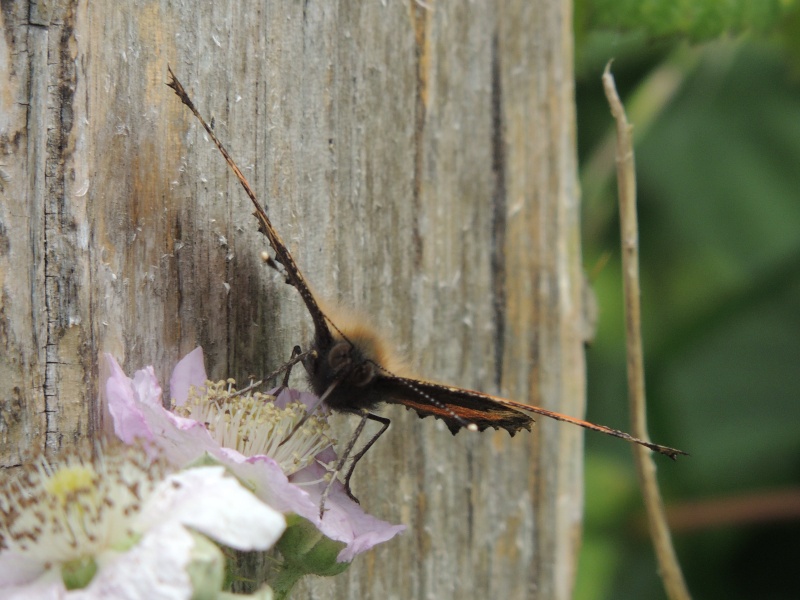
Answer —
352 359
349 365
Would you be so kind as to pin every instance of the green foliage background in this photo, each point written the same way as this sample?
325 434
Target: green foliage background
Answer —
713 91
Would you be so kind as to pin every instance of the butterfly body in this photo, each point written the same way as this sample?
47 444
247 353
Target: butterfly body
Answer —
345 373
354 370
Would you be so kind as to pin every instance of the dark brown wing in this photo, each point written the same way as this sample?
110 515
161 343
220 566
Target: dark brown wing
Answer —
458 408
455 406
282 254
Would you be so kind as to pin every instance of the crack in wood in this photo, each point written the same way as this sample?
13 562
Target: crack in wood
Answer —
421 17
498 259
54 96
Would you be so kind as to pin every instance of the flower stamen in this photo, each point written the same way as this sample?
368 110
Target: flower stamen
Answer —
67 513
252 423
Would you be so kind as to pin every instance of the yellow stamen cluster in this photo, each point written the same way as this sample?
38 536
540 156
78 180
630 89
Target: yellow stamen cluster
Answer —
250 422
78 506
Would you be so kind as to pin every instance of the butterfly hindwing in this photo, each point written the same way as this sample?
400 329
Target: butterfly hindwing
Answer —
455 406
459 407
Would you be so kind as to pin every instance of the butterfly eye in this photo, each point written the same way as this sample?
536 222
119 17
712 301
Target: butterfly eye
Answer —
362 374
339 357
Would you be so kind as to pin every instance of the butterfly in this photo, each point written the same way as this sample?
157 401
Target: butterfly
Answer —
350 368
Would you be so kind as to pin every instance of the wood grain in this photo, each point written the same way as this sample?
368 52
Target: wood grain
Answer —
419 161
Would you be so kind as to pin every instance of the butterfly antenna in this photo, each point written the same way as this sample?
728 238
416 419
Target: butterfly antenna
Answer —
340 332
463 422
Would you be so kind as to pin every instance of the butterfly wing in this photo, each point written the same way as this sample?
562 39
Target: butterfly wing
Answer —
282 255
457 407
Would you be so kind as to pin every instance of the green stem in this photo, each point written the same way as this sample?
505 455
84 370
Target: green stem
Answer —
285 579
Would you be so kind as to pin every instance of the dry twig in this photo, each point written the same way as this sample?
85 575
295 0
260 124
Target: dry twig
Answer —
669 568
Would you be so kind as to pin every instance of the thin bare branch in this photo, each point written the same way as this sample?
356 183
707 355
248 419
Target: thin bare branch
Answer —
669 567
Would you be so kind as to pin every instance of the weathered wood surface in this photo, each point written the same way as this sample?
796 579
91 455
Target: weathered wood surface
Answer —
419 159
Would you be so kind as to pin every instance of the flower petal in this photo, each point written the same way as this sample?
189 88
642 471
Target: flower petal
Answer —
38 590
268 481
287 395
190 371
344 520
16 569
155 568
123 404
216 505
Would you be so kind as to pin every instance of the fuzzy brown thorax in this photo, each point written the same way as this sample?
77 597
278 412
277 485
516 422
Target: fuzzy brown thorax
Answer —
355 359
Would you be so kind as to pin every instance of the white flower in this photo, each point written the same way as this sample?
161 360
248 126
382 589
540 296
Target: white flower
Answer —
108 524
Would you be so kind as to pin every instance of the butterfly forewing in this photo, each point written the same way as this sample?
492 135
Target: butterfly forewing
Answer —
293 274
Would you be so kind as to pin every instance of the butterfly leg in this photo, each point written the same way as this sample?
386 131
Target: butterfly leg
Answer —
384 426
297 356
340 465
365 415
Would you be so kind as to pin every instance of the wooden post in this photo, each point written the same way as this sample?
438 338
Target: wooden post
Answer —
419 160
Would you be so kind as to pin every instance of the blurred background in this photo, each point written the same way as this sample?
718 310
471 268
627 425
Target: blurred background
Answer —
713 93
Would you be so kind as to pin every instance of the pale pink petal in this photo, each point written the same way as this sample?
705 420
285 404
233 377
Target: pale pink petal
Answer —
146 387
123 404
181 440
268 481
310 401
344 520
189 372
